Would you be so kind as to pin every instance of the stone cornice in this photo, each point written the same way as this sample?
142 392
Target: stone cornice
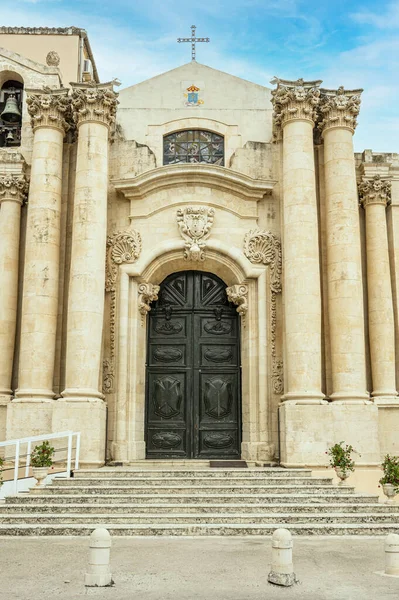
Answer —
49 108
94 103
211 175
13 188
375 191
339 108
295 100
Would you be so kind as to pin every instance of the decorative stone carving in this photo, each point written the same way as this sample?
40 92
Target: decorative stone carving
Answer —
49 108
148 292
238 294
339 108
14 188
263 247
375 191
122 247
195 223
94 102
293 100
53 58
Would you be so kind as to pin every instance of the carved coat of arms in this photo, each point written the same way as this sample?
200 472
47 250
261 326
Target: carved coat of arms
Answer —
192 96
195 225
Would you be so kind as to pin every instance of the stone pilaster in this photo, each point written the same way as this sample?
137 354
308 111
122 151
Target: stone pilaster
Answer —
94 109
375 195
49 110
13 192
339 109
295 104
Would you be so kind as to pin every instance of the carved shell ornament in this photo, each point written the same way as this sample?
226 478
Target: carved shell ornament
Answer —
263 247
53 59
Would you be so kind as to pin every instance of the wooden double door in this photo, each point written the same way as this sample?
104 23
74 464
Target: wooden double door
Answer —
193 387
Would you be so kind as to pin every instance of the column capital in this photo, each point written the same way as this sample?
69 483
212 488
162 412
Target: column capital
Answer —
13 188
94 102
374 191
49 107
339 108
295 100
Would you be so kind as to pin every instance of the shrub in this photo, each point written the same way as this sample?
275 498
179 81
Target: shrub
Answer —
340 456
42 455
390 467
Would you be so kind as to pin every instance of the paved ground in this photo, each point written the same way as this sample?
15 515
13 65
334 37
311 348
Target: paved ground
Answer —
195 569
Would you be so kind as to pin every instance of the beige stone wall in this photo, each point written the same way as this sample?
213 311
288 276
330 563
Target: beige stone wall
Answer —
36 48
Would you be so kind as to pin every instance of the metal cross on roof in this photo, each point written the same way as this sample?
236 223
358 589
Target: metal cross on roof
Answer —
193 41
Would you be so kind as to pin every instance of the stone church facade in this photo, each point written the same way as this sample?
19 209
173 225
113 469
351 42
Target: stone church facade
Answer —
194 267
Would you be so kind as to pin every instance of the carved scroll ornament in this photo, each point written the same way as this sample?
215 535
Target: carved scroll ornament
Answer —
263 247
195 223
148 292
122 247
238 294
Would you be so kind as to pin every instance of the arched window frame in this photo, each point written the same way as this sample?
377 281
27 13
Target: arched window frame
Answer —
194 146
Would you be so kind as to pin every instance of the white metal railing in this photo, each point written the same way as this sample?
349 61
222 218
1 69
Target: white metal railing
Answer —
39 438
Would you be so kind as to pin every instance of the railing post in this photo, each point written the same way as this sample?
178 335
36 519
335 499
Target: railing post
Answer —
16 466
69 457
77 451
28 451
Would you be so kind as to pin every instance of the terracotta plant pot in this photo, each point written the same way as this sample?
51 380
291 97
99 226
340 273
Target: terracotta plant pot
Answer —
342 475
389 491
40 473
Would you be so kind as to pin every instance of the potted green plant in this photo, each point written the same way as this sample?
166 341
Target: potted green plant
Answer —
341 460
390 479
41 460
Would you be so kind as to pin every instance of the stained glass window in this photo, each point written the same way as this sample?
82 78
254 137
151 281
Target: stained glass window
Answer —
193 146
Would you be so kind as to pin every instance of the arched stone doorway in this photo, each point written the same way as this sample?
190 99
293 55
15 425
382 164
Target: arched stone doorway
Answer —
193 387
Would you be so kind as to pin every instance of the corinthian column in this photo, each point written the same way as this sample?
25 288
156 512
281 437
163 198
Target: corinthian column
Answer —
294 110
375 194
48 109
94 112
339 109
13 191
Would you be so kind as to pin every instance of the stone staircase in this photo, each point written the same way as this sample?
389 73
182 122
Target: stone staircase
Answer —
187 500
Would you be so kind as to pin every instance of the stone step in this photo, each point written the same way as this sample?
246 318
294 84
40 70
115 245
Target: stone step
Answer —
117 472
192 529
198 508
334 495
189 480
197 490
194 518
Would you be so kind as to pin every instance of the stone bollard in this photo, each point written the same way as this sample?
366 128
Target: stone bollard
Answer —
99 574
392 554
282 572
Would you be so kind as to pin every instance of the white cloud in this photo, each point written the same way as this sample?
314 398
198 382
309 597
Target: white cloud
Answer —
381 20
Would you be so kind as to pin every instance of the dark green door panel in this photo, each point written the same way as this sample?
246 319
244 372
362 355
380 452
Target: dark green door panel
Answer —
193 390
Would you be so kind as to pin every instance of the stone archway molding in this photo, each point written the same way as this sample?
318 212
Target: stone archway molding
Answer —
136 279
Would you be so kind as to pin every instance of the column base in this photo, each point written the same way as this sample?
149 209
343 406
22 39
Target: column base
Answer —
258 451
4 402
82 394
304 398
87 415
350 398
28 417
306 432
125 451
33 394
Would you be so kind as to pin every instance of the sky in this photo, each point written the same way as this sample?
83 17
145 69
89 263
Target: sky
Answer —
343 42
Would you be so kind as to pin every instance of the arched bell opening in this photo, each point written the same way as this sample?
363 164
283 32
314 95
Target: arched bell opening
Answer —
11 95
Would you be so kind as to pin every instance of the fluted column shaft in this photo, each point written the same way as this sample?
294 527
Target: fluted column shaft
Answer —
295 104
94 110
344 269
375 195
40 286
13 189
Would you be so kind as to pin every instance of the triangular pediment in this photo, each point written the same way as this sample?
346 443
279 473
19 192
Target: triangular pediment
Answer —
27 63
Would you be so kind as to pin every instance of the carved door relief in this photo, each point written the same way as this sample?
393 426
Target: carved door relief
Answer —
193 395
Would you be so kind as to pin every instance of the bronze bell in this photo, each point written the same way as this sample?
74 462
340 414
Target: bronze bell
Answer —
11 113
